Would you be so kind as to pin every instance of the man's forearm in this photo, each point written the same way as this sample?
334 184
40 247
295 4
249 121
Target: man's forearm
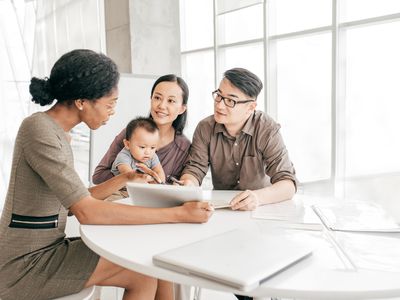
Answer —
189 179
279 191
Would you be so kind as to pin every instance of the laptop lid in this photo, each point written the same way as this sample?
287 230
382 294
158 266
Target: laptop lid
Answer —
240 258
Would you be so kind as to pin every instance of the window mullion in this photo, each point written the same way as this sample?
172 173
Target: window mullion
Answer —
216 68
338 102
270 60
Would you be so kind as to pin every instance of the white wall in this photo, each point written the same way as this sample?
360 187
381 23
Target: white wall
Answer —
155 36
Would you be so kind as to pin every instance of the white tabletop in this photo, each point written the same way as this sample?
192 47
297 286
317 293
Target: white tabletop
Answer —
321 276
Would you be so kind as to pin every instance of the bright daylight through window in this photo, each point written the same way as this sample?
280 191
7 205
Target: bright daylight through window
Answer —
330 71
30 43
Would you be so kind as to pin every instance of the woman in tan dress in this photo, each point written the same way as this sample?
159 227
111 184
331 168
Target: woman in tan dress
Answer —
37 261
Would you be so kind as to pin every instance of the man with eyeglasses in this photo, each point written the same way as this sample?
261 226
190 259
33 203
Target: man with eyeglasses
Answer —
243 146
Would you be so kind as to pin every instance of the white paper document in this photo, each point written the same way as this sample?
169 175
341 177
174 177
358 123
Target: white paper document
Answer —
219 198
371 251
356 216
294 213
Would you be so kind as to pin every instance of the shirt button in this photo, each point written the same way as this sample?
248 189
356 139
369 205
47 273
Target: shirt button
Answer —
237 164
235 144
238 181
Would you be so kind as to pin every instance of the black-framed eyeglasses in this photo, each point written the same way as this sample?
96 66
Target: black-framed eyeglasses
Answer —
228 101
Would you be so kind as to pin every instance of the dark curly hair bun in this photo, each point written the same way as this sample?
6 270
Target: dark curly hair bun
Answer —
78 74
40 90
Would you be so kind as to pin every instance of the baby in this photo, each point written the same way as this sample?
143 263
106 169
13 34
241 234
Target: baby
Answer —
142 136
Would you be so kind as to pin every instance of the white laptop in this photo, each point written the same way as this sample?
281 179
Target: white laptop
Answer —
162 195
240 258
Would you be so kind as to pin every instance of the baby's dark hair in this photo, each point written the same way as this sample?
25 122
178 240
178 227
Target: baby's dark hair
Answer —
140 122
78 74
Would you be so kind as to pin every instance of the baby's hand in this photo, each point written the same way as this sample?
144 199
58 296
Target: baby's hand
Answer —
149 171
138 177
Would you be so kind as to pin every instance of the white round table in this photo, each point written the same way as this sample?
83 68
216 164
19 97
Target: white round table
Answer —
321 276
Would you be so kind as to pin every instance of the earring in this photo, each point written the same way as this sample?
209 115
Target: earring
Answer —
81 108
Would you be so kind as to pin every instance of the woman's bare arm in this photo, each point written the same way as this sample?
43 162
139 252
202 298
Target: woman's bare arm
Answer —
91 211
105 189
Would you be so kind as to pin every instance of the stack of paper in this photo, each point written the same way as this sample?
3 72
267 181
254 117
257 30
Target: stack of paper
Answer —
371 251
356 216
219 198
294 213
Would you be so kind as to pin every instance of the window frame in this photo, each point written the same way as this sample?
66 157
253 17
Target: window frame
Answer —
338 31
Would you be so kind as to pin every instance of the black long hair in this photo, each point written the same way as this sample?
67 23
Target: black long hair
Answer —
78 74
180 122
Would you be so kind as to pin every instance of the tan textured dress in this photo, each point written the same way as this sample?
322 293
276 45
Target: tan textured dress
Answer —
36 260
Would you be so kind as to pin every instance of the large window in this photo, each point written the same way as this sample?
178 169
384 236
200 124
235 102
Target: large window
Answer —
198 70
330 70
286 16
303 96
372 91
15 38
33 35
199 75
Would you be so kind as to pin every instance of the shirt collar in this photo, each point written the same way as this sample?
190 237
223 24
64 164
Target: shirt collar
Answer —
248 127
219 128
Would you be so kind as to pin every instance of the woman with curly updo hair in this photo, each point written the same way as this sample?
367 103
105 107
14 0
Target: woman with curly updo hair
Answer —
37 261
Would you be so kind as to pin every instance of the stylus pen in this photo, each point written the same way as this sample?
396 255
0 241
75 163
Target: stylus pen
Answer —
151 175
173 179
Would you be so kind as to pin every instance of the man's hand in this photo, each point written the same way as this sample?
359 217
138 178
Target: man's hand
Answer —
247 200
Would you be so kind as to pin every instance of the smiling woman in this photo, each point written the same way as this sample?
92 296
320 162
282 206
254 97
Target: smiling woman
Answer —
169 97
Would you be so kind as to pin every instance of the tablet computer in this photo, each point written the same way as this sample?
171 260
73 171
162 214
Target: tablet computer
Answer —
162 195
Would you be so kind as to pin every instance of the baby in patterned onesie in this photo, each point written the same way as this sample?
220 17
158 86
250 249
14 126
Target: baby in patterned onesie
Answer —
142 137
